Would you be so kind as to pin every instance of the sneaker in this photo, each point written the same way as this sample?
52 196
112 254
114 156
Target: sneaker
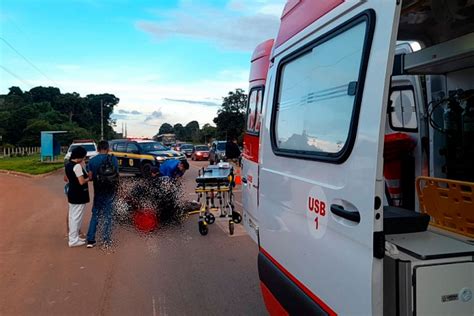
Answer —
90 244
78 244
82 239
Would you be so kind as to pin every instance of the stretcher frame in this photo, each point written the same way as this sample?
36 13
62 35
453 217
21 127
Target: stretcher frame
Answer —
214 182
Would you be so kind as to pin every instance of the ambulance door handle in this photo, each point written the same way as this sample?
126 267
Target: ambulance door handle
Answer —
339 210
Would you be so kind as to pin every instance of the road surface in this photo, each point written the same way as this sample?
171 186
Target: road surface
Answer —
174 272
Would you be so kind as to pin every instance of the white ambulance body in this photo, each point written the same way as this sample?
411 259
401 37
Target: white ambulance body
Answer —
346 131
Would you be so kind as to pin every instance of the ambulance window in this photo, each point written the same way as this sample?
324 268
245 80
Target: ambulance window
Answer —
402 110
317 95
253 105
258 118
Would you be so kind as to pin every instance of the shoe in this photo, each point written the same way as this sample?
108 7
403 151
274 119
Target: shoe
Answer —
82 239
78 244
90 244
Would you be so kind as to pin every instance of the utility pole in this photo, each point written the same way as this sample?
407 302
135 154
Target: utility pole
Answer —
101 120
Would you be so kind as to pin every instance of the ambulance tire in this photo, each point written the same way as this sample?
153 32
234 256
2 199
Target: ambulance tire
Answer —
236 217
231 227
203 230
210 218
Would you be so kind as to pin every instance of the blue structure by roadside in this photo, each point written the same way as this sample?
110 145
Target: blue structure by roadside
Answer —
50 147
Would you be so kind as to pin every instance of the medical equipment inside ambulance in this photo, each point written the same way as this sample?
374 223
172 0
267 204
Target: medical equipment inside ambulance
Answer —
429 243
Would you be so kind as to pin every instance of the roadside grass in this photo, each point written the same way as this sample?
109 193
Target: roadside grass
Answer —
30 164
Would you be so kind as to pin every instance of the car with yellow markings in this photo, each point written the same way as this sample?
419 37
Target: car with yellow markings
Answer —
138 156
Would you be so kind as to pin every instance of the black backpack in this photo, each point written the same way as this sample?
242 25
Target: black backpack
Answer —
107 175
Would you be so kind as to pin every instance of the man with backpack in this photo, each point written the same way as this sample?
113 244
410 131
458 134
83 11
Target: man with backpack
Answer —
103 170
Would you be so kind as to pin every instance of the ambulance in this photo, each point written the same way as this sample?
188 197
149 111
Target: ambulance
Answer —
364 174
250 169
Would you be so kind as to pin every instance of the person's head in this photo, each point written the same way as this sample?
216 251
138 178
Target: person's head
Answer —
154 171
103 147
78 154
183 166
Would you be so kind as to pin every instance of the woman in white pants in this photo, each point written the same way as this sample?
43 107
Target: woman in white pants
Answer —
77 195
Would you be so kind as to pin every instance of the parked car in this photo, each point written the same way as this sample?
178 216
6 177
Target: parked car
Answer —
88 145
138 156
217 151
200 152
186 149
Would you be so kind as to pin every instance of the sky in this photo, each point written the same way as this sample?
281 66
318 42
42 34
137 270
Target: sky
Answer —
168 61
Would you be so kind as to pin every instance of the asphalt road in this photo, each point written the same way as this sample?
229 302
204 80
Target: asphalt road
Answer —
173 272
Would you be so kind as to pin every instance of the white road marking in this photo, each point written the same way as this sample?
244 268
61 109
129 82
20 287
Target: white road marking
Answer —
154 305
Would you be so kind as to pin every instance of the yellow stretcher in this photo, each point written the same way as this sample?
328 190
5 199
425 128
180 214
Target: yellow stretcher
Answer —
216 182
450 204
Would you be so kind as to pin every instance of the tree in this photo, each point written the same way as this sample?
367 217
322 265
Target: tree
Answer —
230 120
24 114
207 133
41 94
166 128
179 131
192 131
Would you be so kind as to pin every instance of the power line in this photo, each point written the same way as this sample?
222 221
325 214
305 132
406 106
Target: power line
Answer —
16 76
28 61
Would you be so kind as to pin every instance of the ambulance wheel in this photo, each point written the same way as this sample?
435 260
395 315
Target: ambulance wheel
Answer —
236 217
203 230
210 218
231 227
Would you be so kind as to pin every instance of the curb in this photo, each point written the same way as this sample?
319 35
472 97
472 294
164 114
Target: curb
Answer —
27 175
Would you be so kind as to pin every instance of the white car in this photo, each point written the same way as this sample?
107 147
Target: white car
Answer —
91 148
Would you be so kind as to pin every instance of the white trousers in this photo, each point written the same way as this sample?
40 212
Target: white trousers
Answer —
76 213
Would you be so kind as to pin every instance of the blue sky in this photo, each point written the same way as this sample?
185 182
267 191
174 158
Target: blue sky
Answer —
167 61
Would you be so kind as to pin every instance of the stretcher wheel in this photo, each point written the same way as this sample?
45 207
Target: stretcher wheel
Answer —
231 227
210 218
203 230
236 217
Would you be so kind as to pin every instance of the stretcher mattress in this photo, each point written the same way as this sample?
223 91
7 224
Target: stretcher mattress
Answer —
213 175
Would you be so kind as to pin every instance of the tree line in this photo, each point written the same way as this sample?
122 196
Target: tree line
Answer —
230 122
24 114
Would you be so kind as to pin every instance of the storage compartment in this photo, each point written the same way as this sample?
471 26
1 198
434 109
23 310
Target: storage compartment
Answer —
428 274
446 57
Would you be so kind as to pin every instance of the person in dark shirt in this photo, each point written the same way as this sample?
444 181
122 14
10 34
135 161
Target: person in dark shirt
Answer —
77 194
232 151
103 197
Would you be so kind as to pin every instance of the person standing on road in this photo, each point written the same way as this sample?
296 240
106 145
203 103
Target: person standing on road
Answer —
103 170
77 195
232 151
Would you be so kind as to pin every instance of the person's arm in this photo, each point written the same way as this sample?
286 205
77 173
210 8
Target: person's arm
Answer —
78 171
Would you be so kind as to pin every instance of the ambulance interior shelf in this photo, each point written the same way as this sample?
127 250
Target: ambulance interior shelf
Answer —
442 58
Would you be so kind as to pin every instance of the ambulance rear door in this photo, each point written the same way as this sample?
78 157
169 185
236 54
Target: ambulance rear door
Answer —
321 182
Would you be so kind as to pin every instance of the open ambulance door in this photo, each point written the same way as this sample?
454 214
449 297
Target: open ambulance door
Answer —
321 182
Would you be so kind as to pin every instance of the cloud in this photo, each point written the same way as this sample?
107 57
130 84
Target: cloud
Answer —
152 118
234 27
134 112
206 103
